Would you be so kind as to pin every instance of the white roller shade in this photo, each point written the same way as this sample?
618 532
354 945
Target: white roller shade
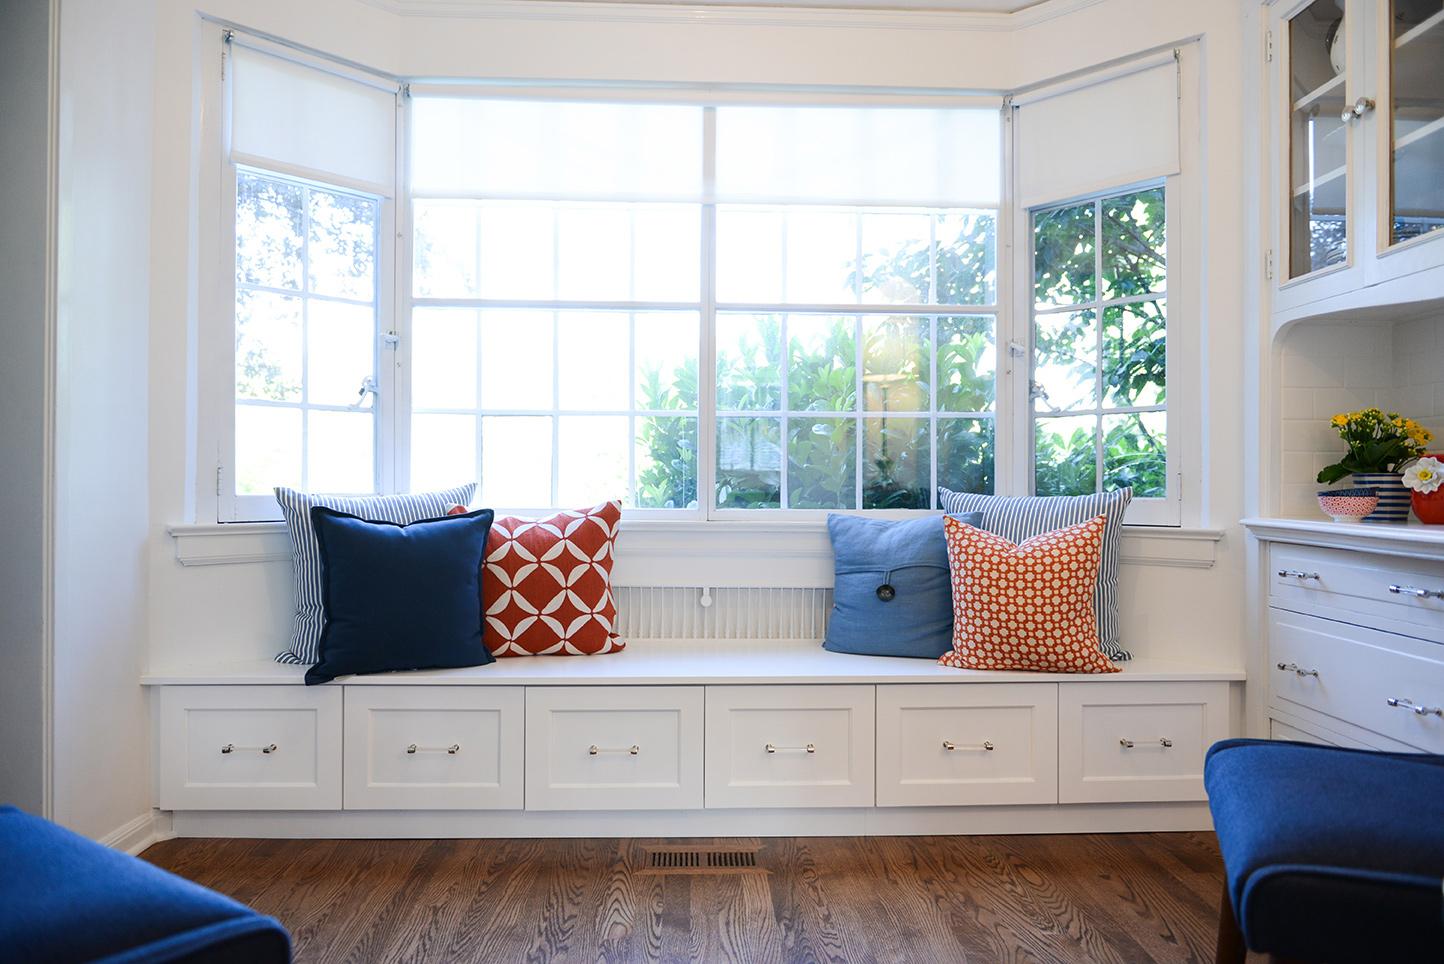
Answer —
309 119
1086 139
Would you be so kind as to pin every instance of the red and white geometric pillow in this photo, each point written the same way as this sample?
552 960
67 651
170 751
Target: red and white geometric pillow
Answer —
547 586
1028 606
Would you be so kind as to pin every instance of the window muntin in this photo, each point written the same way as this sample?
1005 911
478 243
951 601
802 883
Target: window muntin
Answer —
1099 336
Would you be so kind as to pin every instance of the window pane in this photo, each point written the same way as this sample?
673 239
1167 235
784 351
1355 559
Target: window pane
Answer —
821 256
822 363
594 253
516 353
268 346
1135 354
749 463
593 367
1065 455
269 241
443 358
444 245
821 463
967 255
667 253
339 452
666 463
897 465
1065 372
896 354
1134 248
342 251
965 454
749 362
516 462
341 351
666 346
268 448
967 364
1064 272
897 258
592 459
517 251
443 451
749 255
1135 453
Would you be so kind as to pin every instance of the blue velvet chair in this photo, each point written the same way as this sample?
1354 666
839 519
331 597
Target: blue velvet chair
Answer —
1330 854
64 898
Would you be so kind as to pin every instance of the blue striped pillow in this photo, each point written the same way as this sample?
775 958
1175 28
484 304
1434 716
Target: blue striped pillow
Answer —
1017 518
296 508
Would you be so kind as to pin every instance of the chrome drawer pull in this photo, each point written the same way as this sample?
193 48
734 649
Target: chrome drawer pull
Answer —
1163 741
1296 669
1297 574
1405 704
950 745
454 749
809 748
633 750
1416 592
232 748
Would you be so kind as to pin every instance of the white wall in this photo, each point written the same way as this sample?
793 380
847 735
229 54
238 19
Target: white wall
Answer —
24 188
102 759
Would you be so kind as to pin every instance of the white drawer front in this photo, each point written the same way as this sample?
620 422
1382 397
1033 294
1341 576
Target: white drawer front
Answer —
1352 674
1282 731
613 747
790 746
958 743
434 747
1407 593
250 748
1137 742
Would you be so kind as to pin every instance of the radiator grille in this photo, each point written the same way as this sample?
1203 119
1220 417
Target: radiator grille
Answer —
680 860
676 612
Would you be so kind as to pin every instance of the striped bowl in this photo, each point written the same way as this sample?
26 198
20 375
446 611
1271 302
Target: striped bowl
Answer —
1393 497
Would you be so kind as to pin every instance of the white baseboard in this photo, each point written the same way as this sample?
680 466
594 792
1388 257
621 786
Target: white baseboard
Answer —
134 836
864 821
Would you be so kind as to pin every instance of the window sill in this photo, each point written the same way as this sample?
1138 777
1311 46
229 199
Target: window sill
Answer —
687 552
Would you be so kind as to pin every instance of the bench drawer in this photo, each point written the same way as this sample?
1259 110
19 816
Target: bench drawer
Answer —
1358 675
956 744
250 748
434 748
613 747
1408 593
790 746
1137 742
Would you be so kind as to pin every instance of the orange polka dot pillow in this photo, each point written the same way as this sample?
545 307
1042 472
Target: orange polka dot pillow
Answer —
1026 606
546 589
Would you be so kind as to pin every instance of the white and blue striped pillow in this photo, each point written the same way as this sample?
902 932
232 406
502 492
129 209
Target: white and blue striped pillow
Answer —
296 508
1016 518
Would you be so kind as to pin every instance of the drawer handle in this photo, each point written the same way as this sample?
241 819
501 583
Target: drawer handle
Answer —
593 750
1296 669
1297 574
809 748
1416 592
232 748
1163 741
949 745
454 749
1405 704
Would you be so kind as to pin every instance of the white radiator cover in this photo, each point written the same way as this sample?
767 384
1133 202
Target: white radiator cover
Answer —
679 612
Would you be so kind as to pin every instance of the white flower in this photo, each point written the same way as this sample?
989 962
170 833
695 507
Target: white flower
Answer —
1424 475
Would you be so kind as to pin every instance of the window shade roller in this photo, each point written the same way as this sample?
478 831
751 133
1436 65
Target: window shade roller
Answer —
1115 132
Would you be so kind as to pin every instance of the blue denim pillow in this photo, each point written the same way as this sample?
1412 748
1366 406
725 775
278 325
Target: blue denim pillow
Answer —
400 596
892 595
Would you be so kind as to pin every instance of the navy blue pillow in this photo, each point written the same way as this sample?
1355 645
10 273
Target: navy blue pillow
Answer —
399 596
892 595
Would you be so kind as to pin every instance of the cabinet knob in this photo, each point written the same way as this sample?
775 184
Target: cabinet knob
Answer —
632 750
1359 108
453 749
774 748
949 745
1296 669
1297 574
268 749
1162 741
1416 592
1408 704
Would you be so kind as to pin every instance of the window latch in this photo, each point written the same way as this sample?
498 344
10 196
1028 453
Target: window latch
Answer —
368 387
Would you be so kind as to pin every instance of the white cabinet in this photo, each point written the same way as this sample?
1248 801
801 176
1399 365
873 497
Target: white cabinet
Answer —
1120 742
433 747
250 748
613 747
960 743
789 746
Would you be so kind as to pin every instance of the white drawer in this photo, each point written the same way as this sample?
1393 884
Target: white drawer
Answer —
250 748
434 747
790 746
962 743
1352 674
613 747
1127 742
1387 588
1278 730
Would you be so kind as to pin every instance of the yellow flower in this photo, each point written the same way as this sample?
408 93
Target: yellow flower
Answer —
1339 421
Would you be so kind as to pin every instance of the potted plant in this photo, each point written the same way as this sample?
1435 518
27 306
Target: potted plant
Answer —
1423 479
1380 445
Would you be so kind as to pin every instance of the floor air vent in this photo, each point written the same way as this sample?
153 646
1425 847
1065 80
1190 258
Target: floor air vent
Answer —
682 860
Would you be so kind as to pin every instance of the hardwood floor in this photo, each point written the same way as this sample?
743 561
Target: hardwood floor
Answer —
1124 898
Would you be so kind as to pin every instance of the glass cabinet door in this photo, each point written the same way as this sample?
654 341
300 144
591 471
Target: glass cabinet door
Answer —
1416 114
1318 234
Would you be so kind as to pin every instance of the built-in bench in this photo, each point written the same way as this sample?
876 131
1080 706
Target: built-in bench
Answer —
688 738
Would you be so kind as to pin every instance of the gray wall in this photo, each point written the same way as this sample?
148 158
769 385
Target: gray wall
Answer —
24 140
